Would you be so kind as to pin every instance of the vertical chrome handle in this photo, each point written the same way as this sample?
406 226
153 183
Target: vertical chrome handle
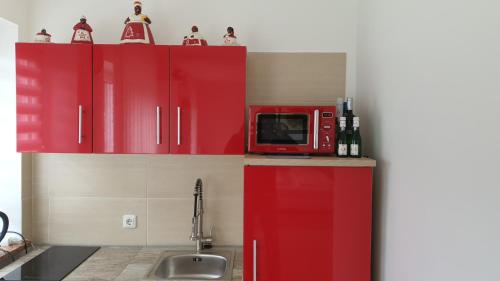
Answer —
316 129
158 125
254 260
80 113
178 125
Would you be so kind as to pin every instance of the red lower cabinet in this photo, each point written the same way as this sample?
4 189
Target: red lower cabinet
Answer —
307 223
54 98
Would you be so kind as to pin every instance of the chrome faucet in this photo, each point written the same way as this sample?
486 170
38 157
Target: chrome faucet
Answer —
197 231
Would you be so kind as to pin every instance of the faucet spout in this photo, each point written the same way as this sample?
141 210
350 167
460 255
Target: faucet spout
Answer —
197 221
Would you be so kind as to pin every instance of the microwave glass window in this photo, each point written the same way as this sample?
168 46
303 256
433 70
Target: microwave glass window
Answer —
282 129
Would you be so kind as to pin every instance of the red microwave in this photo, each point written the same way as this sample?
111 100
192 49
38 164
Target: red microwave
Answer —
291 129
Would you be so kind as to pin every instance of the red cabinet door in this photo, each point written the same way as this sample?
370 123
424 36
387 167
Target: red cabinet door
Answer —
307 223
131 99
207 110
54 98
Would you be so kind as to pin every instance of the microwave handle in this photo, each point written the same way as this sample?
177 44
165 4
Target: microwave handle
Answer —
316 130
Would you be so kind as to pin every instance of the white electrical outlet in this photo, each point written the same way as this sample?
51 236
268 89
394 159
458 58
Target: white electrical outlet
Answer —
130 221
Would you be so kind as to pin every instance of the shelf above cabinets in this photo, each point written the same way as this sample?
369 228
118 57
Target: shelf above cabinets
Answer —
145 99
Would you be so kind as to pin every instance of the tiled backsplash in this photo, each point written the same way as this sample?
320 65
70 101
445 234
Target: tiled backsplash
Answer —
80 199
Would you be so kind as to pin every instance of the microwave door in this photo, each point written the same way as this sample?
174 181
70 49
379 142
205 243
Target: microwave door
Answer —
285 129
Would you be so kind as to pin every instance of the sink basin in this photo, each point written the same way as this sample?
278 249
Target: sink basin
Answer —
184 265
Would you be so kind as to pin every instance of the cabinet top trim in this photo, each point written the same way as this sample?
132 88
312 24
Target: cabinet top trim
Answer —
328 161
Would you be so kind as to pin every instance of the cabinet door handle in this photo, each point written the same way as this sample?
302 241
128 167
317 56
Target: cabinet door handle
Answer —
178 125
254 260
158 125
80 115
316 130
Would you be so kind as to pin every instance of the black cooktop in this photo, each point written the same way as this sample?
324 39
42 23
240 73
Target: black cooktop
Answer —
52 265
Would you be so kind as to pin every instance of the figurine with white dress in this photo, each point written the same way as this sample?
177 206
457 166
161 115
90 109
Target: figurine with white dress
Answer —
43 37
82 32
137 27
230 38
195 39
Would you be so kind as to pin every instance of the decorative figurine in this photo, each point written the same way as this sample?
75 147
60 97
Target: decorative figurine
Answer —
230 38
82 32
195 39
43 37
137 27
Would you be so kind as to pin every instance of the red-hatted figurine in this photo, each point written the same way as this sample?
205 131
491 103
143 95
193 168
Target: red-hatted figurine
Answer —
195 39
82 32
137 27
230 38
42 37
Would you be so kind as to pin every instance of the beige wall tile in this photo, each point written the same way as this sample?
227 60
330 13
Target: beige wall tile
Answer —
226 215
175 176
91 175
44 171
40 219
26 176
96 221
169 221
27 217
171 177
295 78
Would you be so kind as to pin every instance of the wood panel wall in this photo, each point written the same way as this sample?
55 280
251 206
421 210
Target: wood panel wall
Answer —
295 78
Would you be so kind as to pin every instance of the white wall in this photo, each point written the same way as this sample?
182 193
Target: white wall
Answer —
10 161
278 25
16 11
429 92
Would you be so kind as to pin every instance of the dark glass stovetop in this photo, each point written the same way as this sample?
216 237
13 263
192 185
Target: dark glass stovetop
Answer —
52 265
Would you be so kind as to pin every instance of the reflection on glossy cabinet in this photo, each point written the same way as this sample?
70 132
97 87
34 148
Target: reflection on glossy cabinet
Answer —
131 98
307 223
207 110
54 98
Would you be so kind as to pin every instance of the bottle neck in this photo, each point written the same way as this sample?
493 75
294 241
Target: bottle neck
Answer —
349 104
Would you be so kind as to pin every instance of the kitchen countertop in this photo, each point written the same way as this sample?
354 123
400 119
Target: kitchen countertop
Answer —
329 161
122 263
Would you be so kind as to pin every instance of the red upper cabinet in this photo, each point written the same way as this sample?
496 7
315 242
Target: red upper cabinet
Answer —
54 98
207 97
131 98
307 223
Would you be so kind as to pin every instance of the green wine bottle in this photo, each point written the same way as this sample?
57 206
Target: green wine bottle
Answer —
342 139
339 113
355 146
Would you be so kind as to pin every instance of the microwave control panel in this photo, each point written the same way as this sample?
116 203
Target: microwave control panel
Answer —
326 132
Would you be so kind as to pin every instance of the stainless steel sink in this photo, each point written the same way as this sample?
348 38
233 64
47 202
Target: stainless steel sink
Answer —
185 265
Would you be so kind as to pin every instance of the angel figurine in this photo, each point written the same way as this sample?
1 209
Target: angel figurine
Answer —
230 38
137 27
43 37
195 39
82 32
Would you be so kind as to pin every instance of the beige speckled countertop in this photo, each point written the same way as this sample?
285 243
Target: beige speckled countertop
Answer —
328 161
122 263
